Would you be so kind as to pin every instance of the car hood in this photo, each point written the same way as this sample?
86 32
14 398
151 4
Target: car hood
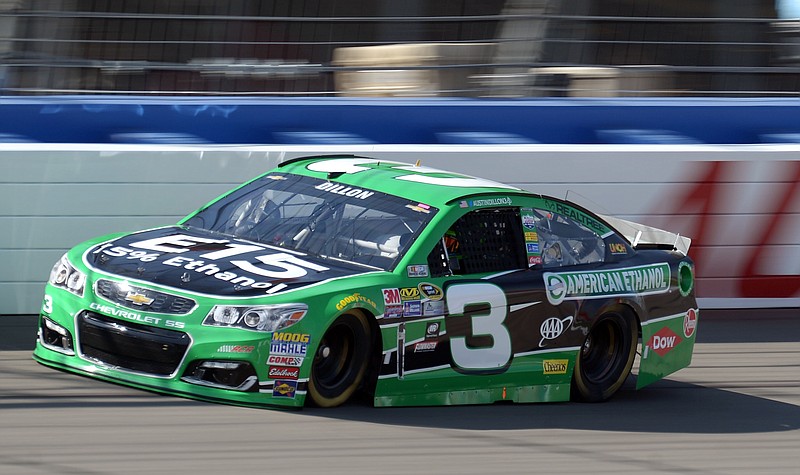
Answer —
202 262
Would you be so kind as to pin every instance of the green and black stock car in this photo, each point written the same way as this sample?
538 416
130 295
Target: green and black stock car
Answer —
329 276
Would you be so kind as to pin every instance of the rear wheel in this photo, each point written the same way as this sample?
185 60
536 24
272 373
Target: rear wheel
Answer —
340 361
606 357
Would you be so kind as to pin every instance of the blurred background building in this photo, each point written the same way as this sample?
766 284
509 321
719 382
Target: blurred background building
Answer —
492 48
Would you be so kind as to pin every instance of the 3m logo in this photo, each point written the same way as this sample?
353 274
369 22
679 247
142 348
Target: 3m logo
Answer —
555 366
391 296
664 341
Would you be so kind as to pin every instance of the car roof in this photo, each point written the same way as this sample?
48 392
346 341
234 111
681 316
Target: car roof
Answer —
411 181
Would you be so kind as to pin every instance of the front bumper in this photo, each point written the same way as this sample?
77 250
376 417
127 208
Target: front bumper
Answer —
165 355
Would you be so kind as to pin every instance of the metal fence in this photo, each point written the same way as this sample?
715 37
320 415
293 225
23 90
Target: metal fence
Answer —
511 48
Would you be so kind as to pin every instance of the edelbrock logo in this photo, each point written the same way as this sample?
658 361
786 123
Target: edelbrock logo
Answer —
641 280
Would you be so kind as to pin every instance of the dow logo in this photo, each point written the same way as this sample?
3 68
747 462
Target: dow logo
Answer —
663 341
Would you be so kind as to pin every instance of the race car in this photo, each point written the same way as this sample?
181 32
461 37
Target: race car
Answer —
336 276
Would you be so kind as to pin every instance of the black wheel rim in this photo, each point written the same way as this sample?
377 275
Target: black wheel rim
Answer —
603 351
334 362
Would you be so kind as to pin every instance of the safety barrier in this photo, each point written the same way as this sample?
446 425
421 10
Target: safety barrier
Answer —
740 204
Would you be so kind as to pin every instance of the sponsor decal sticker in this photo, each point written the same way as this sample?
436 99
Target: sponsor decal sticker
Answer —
420 208
285 388
425 346
528 221
283 372
391 296
292 349
355 298
409 293
663 341
532 247
689 323
292 337
643 280
236 349
433 307
430 291
617 248
553 327
393 311
432 330
555 366
412 308
418 271
280 360
531 236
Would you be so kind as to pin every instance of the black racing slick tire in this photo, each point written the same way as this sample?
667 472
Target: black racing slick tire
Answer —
341 361
606 357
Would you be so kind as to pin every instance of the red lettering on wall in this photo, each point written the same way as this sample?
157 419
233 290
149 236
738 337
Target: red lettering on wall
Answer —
749 274
776 286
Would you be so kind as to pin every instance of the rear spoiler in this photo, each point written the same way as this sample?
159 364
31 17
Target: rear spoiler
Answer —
641 236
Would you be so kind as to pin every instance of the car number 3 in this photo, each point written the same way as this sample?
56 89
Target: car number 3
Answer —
478 359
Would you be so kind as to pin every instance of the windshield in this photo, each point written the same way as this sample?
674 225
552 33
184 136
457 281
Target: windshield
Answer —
319 217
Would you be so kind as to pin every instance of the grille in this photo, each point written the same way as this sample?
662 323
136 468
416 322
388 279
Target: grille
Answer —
131 346
161 302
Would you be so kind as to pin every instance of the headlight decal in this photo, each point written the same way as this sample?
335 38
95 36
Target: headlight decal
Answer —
65 276
262 318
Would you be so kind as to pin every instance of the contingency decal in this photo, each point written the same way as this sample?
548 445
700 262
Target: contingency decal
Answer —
532 249
641 280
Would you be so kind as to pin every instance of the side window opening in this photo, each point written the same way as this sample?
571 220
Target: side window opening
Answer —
479 242
565 242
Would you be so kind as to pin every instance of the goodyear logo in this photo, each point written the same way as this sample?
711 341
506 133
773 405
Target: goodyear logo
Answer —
409 293
555 366
355 298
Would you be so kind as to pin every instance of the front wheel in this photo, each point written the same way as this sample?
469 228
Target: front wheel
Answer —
340 361
606 357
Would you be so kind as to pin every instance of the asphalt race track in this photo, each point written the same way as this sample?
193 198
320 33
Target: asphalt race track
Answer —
736 410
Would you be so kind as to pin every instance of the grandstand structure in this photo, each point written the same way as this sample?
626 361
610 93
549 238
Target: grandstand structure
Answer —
487 48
